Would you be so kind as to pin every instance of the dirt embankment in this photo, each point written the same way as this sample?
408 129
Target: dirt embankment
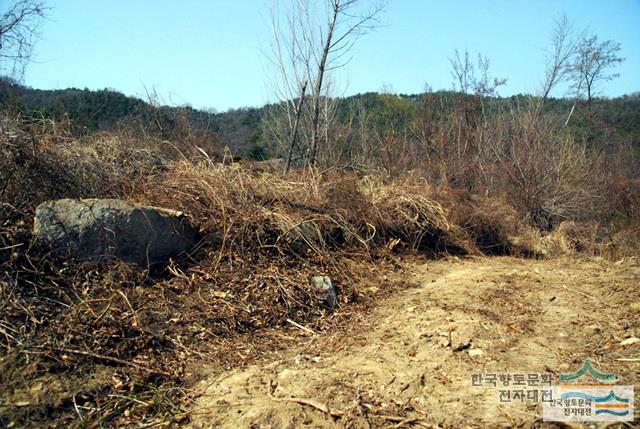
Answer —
410 361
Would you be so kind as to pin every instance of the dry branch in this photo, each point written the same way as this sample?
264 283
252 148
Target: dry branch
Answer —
112 360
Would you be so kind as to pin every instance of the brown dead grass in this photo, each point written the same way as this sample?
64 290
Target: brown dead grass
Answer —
117 345
113 342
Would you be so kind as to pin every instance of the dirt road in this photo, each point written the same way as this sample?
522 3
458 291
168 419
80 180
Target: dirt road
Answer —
409 363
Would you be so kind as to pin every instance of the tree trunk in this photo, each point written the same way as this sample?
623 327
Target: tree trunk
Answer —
575 101
318 88
294 132
570 114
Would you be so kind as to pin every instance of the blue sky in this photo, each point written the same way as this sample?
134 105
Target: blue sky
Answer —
211 53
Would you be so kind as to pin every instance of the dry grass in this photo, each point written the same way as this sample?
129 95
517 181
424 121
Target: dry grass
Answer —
246 212
114 344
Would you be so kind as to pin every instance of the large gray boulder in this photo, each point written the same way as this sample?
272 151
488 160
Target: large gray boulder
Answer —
103 229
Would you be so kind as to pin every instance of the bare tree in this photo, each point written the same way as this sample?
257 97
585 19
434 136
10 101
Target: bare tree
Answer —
461 71
474 79
589 67
18 32
291 58
345 24
296 125
560 55
308 43
592 62
563 47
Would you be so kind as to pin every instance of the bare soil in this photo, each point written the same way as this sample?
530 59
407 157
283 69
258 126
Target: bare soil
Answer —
409 361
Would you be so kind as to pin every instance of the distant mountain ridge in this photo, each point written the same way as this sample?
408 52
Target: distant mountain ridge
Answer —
616 119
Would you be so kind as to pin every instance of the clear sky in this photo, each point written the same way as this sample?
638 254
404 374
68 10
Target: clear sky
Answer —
210 53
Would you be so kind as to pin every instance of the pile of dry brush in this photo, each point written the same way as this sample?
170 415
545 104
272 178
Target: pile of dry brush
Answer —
112 344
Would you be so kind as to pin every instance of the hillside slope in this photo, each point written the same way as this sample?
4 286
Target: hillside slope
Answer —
612 121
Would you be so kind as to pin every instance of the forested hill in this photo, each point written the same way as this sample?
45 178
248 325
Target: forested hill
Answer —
107 110
610 121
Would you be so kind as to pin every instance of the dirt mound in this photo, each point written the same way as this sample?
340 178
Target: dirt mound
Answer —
410 362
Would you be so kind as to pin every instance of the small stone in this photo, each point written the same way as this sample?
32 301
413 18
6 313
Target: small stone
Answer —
630 341
461 346
443 342
592 329
304 236
475 352
324 286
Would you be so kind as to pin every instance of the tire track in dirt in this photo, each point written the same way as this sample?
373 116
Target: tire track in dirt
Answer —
409 362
